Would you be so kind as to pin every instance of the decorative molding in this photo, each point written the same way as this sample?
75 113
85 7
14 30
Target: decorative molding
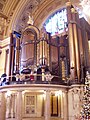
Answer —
29 105
3 16
5 42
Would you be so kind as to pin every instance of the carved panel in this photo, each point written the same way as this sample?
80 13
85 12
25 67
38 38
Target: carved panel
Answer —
29 105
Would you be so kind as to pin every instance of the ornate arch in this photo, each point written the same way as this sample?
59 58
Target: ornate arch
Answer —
42 10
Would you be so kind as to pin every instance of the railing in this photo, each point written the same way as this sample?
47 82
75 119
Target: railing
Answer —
37 79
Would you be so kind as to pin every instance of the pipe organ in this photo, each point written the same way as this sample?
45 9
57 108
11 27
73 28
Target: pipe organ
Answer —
43 47
60 54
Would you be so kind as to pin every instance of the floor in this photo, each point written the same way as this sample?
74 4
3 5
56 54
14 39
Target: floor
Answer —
42 118
53 118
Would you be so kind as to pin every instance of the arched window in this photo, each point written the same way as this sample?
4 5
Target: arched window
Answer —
57 23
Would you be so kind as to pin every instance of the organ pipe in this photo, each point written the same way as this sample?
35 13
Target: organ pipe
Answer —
71 42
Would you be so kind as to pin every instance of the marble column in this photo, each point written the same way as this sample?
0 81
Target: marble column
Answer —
65 100
19 106
3 107
9 106
70 104
10 112
14 105
62 106
71 42
47 106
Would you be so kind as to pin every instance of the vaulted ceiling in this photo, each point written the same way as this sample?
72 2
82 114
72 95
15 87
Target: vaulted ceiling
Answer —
16 12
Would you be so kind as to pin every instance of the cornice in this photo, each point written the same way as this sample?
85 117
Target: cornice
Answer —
4 43
34 87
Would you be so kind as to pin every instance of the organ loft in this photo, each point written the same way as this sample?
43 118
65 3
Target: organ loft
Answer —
46 71
62 55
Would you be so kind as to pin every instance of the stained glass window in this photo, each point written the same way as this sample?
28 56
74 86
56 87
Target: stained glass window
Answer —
57 23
